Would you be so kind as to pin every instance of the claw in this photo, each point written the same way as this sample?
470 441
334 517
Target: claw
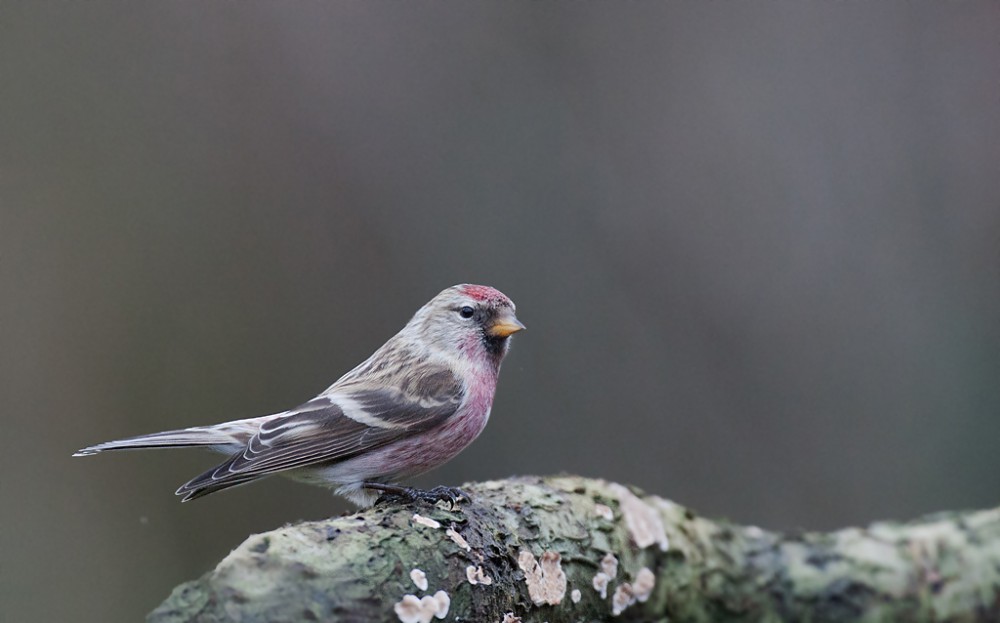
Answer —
393 494
441 494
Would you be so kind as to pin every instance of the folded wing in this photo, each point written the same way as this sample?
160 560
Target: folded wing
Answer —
333 427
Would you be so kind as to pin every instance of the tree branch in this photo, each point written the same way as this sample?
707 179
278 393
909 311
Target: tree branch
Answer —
570 549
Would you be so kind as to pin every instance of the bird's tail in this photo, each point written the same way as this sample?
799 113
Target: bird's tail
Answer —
227 437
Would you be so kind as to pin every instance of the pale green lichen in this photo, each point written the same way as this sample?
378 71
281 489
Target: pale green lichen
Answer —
356 568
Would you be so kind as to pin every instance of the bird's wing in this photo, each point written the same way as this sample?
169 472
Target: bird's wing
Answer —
338 425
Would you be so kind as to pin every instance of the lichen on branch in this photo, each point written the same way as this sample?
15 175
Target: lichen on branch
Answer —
569 549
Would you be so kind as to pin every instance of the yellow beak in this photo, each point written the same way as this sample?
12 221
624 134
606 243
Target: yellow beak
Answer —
505 325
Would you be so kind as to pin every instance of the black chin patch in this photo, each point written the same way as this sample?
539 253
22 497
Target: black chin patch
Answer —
494 344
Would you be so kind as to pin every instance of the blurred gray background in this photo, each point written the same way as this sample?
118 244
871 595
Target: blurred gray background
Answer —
757 247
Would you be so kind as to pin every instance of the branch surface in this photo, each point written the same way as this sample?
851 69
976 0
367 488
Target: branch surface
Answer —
567 549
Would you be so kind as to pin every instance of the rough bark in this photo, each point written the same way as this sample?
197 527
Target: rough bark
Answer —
525 546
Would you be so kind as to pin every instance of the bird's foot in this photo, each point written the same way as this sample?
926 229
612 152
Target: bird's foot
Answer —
395 494
451 495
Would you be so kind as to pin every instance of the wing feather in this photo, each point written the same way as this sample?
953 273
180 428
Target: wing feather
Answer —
334 427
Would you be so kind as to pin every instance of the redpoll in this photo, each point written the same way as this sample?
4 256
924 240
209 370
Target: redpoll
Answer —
413 405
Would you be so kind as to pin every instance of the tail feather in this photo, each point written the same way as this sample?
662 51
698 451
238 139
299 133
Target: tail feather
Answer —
225 437
230 437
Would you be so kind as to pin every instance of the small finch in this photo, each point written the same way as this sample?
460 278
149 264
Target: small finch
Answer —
413 405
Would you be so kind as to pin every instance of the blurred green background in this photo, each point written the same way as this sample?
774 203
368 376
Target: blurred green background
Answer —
757 247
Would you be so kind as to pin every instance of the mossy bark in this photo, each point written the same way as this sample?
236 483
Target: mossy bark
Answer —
357 568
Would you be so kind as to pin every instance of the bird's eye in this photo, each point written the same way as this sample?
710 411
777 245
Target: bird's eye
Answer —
466 312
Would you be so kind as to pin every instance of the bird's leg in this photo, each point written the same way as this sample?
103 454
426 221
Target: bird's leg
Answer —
398 493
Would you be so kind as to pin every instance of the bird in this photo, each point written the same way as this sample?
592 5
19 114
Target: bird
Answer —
413 405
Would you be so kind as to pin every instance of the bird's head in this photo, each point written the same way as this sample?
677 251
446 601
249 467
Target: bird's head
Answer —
477 320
